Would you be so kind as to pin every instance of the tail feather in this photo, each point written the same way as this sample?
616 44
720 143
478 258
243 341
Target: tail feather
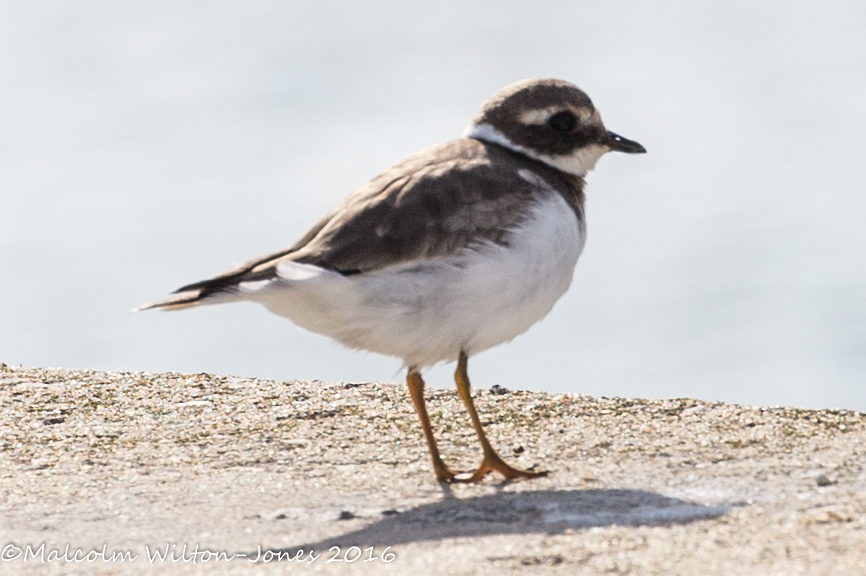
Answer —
177 301
221 288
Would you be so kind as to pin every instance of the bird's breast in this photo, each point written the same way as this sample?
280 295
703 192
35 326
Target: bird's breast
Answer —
428 310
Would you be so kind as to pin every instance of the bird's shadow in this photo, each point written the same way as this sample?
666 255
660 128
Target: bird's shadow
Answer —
546 511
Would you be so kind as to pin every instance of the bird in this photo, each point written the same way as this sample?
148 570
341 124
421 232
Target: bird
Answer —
454 250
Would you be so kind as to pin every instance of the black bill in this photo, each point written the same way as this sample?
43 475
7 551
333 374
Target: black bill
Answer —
620 144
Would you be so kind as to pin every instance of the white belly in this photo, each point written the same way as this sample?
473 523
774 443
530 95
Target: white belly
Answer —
427 311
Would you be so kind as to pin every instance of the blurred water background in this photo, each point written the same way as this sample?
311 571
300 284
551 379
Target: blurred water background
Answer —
145 145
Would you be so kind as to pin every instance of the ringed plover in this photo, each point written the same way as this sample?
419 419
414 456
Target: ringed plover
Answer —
454 250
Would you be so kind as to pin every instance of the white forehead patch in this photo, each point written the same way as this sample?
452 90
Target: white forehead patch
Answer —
578 163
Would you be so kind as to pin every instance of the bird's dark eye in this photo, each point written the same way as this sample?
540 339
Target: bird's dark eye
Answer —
564 122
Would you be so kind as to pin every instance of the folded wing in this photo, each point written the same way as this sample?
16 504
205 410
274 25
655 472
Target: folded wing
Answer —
417 209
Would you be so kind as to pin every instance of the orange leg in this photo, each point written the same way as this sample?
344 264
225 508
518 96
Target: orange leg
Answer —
416 390
492 460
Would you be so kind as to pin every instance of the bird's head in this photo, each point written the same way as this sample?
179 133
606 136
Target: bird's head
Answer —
550 120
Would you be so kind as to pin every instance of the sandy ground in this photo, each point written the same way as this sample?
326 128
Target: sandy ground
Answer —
228 466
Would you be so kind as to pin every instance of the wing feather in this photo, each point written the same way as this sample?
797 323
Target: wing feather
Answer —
435 203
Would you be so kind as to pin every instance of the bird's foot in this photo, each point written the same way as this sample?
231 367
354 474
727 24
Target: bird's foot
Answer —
443 472
494 463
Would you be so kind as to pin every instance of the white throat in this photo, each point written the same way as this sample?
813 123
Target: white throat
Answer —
577 163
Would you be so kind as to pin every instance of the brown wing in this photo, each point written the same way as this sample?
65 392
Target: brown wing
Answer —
421 211
435 203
